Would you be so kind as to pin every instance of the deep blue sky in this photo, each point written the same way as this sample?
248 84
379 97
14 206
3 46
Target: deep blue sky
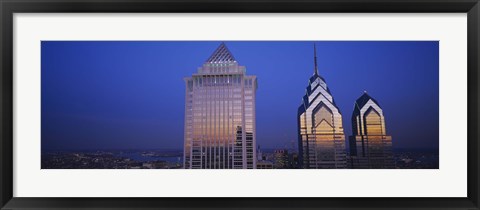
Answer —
130 95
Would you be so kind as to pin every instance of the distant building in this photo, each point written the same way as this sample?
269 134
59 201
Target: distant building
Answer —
259 154
320 131
263 164
220 115
281 158
148 165
293 161
370 146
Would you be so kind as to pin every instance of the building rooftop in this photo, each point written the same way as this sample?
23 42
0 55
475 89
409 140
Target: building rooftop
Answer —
360 102
221 55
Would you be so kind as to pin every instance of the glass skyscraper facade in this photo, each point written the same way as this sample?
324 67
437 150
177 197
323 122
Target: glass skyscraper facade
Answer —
220 115
370 146
320 130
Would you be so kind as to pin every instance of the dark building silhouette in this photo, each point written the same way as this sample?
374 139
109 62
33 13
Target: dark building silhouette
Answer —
281 158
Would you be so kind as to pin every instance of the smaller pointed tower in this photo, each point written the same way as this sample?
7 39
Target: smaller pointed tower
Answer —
370 146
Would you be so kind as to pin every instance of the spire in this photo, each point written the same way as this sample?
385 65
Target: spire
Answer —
315 58
221 55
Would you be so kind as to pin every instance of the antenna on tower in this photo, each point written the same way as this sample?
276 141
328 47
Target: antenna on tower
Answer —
315 58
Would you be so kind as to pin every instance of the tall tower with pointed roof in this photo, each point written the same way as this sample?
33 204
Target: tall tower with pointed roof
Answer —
220 115
320 131
370 146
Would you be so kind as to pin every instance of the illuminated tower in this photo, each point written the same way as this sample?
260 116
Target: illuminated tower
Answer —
320 131
220 115
370 147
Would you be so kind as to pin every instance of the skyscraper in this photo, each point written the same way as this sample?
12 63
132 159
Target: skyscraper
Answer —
370 147
320 131
220 115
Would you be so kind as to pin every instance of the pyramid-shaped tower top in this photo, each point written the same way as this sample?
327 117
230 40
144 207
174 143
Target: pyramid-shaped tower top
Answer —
221 55
360 102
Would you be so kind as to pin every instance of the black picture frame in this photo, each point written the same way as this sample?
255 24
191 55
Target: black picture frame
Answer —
9 7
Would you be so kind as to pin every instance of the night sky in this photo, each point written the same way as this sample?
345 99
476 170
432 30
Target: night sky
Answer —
130 95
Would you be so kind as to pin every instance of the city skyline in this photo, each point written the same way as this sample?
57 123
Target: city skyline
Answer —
70 113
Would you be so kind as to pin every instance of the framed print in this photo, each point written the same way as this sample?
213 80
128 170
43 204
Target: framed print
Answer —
239 105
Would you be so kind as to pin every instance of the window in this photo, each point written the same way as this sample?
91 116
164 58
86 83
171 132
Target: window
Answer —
373 122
